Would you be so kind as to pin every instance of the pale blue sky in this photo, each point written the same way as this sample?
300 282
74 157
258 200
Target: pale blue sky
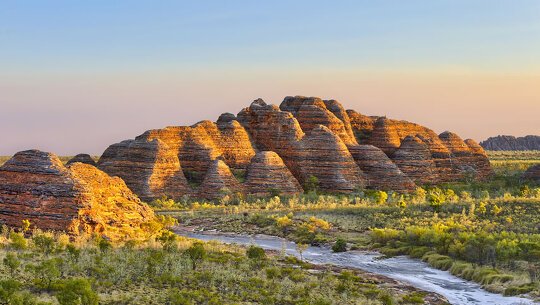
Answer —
112 69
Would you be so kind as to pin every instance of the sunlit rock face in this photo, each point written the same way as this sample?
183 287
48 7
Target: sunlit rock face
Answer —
312 112
82 158
343 149
151 169
79 199
533 173
219 181
268 175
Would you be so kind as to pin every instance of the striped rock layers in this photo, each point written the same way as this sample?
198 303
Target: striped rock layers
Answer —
80 199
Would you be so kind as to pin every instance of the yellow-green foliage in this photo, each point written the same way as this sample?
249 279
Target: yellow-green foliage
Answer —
49 269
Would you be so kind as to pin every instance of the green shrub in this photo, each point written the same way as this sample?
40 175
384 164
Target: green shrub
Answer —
517 290
340 245
256 253
75 292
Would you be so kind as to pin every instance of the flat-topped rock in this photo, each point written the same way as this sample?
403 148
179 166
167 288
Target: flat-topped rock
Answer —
267 175
79 199
530 142
82 158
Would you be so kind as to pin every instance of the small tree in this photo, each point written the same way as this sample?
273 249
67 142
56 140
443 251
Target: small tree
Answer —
300 247
44 243
12 263
196 254
311 184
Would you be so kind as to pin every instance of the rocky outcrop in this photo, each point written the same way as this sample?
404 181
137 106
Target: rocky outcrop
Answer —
469 160
326 157
268 175
362 125
219 181
512 143
150 168
414 159
82 158
312 112
533 173
313 137
380 171
319 152
79 199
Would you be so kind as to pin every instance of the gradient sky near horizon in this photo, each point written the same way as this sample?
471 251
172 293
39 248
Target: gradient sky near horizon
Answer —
76 76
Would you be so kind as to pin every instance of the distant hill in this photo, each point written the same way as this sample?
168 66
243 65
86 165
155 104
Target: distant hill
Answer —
512 143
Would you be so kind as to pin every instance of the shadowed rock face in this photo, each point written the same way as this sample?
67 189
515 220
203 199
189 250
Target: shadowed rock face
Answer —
533 173
80 199
313 137
468 157
219 181
82 158
326 157
512 143
380 171
414 159
267 173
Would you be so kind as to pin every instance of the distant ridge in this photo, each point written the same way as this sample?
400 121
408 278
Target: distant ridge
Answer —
512 143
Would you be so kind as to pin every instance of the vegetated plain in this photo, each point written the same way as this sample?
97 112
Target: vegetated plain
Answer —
487 232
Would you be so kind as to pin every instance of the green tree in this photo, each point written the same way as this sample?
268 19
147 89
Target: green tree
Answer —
12 263
311 184
196 254
44 243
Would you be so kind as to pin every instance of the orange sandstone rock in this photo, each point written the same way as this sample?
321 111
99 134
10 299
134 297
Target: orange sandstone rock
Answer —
219 181
150 168
380 171
79 199
267 174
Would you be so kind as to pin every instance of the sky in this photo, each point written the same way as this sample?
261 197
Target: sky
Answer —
77 76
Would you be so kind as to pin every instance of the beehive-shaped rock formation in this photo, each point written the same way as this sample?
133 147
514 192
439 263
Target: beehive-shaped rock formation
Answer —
150 168
81 199
326 157
414 159
380 171
312 112
313 137
267 175
82 158
219 181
